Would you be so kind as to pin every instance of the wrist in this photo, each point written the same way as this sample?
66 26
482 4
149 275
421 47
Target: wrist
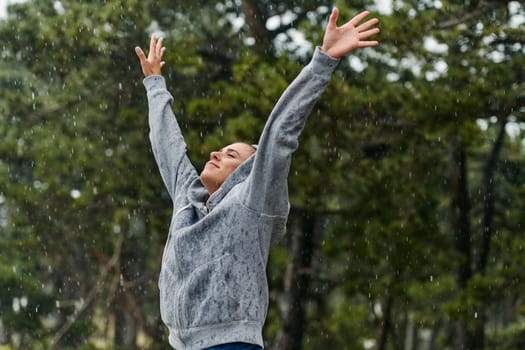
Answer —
328 52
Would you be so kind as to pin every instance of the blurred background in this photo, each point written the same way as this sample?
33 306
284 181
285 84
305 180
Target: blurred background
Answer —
407 226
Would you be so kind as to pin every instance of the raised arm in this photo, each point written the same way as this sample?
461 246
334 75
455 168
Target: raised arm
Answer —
267 188
166 138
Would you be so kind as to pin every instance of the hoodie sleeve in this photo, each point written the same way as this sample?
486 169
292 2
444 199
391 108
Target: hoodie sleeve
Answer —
167 142
267 185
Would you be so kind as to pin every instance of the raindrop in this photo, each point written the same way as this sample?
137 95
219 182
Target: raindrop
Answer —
79 304
16 305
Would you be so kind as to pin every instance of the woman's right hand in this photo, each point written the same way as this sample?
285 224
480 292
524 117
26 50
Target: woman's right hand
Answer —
152 65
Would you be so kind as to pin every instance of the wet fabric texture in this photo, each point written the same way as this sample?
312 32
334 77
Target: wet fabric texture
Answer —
213 286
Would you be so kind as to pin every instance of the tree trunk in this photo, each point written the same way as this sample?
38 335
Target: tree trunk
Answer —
460 223
125 323
386 323
487 191
297 281
73 268
410 332
256 21
432 342
125 305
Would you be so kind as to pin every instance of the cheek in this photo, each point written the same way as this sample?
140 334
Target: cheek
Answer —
231 166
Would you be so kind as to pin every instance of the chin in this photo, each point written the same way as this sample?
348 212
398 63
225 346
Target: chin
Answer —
207 178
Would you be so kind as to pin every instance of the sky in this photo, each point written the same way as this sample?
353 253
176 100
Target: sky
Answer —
3 6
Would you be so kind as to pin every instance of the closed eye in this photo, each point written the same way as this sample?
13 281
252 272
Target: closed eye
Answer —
231 153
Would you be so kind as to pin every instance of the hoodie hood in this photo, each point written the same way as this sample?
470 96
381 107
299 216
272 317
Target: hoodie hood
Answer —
199 197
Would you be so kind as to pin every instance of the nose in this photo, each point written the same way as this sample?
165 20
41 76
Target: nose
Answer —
215 155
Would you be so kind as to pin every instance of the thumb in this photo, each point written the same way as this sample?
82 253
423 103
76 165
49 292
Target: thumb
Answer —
332 21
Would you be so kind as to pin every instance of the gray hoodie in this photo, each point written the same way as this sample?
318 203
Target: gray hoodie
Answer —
213 287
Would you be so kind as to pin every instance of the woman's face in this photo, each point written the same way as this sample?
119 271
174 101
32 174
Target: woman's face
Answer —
222 163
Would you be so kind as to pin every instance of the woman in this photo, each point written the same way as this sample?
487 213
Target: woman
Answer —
213 287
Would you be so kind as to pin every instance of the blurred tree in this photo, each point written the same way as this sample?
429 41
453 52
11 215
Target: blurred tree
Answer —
406 229
385 145
76 130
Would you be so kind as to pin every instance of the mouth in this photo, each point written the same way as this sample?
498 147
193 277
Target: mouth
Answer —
213 164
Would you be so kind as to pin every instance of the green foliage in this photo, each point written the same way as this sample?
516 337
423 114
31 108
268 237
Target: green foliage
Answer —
78 184
511 338
23 299
342 325
75 134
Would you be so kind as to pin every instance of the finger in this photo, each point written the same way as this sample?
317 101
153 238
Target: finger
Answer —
354 21
152 43
332 21
162 50
366 34
158 47
162 64
362 44
367 24
140 53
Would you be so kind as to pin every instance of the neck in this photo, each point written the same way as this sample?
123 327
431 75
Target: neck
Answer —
210 187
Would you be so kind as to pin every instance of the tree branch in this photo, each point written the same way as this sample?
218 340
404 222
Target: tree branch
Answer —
91 295
482 8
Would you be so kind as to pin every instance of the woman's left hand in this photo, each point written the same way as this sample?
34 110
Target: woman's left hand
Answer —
339 41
